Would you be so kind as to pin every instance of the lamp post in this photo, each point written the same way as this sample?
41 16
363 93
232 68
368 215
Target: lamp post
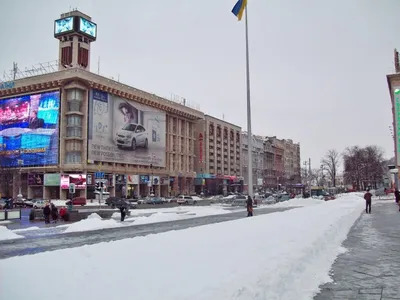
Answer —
20 163
151 181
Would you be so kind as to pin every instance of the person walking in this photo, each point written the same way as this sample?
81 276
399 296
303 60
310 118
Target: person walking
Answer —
46 213
54 213
397 196
368 201
123 213
249 205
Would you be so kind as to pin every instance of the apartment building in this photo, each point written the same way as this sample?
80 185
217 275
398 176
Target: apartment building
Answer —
291 162
269 157
218 156
257 158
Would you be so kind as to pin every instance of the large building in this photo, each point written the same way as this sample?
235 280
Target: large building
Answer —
218 157
257 158
68 127
394 90
276 162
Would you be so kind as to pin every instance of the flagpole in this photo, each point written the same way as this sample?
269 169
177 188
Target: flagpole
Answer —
249 134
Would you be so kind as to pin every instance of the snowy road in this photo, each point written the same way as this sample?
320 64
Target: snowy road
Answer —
54 240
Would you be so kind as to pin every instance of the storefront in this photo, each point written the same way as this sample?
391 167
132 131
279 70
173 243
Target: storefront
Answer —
120 185
133 186
35 186
164 186
51 188
144 185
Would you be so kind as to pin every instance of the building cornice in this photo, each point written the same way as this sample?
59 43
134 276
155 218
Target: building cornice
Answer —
59 79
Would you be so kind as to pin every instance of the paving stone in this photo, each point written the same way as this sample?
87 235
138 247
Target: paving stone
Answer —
372 262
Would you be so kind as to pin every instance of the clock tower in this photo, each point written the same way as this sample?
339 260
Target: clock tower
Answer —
76 32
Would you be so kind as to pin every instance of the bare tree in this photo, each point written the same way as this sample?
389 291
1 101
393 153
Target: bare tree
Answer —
330 162
363 167
317 177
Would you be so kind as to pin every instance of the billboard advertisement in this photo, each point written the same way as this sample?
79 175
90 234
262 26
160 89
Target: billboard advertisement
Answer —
29 130
78 179
123 131
35 179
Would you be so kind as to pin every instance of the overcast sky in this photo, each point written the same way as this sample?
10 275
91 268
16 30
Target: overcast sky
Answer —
317 67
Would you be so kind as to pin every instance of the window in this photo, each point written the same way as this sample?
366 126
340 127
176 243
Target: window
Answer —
74 120
75 94
73 158
74 132
74 106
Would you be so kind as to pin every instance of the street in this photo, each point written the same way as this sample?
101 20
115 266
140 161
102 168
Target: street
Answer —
34 244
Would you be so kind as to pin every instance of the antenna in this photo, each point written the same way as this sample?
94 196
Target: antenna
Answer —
223 117
98 66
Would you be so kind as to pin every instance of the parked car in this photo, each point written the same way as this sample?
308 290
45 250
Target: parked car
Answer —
186 200
132 136
39 203
77 201
154 200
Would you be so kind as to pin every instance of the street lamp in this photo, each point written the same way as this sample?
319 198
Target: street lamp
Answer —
151 181
20 163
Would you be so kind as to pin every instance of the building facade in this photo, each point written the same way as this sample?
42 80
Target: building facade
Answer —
218 157
257 158
72 127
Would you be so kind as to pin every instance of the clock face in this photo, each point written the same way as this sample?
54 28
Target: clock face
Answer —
64 25
87 27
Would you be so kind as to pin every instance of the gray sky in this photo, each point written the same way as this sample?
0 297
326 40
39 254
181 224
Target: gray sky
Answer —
317 67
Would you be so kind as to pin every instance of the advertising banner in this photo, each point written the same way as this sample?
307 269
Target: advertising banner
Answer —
79 180
35 179
133 179
122 131
52 179
29 130
64 181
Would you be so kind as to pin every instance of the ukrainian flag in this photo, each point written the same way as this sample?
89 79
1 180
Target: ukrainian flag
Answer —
239 8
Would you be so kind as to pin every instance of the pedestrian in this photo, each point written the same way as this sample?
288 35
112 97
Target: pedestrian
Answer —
397 195
249 206
54 213
368 200
123 213
46 213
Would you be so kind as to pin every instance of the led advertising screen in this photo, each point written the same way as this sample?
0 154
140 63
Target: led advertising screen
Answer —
124 131
63 25
29 130
78 179
87 27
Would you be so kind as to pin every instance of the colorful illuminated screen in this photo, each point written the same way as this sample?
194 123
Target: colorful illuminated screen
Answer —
29 130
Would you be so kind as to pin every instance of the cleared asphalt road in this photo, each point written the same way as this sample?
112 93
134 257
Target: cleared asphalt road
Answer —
32 245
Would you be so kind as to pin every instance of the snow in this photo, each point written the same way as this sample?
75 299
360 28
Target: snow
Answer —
288 260
7 234
26 229
5 222
93 222
298 202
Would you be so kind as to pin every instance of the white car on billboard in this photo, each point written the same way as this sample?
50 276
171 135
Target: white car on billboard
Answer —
132 135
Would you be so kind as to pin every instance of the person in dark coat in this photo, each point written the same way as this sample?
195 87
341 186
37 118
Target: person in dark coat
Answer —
249 206
123 213
46 213
397 195
368 201
54 213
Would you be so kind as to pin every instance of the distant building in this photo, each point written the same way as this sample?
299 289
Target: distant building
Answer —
218 157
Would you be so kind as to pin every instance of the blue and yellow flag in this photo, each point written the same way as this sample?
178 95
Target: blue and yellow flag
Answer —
239 8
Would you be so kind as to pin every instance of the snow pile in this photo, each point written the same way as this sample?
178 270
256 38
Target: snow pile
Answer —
94 216
7 234
154 218
178 214
26 229
93 222
298 202
291 259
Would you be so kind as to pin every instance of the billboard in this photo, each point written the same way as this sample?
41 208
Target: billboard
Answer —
123 131
87 27
29 130
35 179
78 179
62 26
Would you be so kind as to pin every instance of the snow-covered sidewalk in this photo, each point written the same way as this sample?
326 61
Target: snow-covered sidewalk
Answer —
282 256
